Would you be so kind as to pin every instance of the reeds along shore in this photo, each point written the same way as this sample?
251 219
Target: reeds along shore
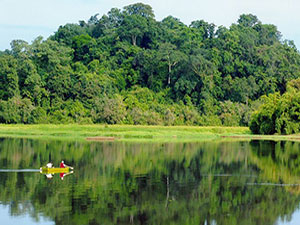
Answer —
133 133
119 132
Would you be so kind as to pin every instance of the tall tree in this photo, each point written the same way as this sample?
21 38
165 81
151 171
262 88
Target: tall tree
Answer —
171 55
139 9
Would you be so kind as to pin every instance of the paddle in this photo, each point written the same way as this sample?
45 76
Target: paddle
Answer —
69 167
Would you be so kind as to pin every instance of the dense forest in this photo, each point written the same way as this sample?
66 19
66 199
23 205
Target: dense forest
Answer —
127 67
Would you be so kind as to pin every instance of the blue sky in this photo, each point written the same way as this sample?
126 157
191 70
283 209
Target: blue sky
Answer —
28 19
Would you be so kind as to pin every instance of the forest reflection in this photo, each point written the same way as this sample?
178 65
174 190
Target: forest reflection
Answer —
248 182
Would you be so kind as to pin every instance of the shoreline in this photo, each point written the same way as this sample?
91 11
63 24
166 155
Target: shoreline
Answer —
102 133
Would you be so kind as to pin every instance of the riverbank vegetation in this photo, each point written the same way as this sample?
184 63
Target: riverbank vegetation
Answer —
280 113
126 67
134 133
120 132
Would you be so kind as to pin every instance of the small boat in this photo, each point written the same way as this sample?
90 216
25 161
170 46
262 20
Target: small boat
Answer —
54 170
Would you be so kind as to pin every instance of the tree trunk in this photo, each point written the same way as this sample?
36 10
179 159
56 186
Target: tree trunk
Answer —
169 77
168 193
133 38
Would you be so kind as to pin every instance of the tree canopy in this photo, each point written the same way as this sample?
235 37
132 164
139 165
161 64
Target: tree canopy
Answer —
127 67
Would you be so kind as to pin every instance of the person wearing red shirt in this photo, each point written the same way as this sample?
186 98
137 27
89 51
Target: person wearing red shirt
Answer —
62 165
62 175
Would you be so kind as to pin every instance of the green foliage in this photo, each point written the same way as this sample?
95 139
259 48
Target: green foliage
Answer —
234 114
157 72
139 9
16 110
66 33
263 120
109 110
9 77
279 114
83 45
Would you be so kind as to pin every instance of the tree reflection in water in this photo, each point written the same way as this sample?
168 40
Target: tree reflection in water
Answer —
155 183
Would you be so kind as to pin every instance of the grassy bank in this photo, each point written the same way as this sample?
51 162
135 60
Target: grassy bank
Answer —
120 132
133 133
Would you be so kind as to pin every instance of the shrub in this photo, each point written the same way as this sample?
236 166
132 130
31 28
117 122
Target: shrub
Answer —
109 110
280 114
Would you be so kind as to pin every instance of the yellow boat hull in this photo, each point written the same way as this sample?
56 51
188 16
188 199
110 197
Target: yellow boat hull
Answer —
54 170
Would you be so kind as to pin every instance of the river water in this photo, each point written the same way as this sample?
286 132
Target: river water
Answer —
213 182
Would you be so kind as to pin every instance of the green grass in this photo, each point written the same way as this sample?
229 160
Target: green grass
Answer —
133 133
121 132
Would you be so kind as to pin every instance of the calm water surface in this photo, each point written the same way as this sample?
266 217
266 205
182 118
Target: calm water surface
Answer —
220 182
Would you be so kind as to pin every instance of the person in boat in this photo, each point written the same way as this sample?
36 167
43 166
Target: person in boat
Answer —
49 175
62 175
49 165
63 165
